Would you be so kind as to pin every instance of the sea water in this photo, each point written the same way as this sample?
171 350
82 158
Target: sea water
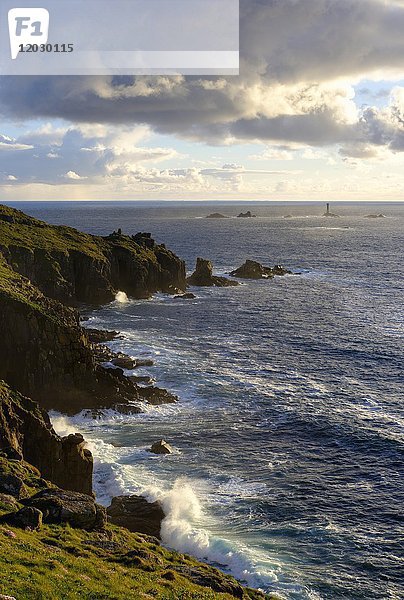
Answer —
288 435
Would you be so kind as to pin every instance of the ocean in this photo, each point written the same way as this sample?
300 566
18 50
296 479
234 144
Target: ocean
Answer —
288 436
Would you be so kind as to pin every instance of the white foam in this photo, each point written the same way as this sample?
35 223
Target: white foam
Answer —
121 298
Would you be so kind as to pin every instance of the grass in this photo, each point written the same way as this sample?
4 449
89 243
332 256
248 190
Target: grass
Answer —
61 562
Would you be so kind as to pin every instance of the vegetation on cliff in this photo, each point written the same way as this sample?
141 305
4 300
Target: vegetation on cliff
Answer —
44 270
61 561
72 266
56 543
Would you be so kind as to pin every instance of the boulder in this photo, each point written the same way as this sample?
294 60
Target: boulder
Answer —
161 447
157 396
8 502
144 362
210 577
187 296
98 336
61 506
143 379
124 362
136 514
12 486
28 517
203 276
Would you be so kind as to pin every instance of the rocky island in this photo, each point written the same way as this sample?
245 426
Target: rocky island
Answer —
203 276
246 215
254 270
217 216
55 540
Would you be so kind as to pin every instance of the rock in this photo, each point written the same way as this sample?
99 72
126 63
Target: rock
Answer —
157 396
144 379
12 486
61 506
210 577
281 271
124 362
288 216
144 362
187 296
379 216
203 276
9 502
28 430
161 447
46 271
254 270
98 336
136 514
246 215
12 453
216 216
26 518
3 597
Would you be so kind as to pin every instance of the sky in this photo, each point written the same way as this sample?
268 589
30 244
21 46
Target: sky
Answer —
317 113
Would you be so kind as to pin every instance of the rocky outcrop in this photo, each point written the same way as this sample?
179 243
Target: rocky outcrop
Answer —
26 518
60 506
254 270
187 296
26 429
73 267
246 215
161 447
217 216
136 514
203 276
157 396
99 336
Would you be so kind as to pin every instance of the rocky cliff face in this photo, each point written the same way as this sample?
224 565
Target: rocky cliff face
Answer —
26 433
44 353
75 267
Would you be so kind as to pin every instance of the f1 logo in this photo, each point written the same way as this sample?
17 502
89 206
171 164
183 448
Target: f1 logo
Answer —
27 25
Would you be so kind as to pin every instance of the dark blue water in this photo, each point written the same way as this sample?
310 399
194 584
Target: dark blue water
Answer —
289 432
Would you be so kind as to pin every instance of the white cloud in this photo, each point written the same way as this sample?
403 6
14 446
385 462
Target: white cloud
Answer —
73 175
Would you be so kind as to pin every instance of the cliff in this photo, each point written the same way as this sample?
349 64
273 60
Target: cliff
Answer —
44 271
73 267
55 541
26 433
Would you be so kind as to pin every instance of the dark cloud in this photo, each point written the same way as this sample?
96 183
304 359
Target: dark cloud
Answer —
293 54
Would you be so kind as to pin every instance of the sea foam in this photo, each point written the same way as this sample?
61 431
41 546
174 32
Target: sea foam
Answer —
121 297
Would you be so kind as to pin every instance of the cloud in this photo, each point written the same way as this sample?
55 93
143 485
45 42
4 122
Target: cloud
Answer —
73 175
10 144
300 61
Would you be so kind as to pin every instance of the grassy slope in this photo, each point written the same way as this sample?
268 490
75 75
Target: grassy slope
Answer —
32 234
61 562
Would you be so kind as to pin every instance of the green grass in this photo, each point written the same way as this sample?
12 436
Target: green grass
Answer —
31 234
59 562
